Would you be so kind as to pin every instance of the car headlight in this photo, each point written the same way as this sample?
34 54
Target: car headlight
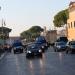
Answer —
72 47
40 51
14 48
46 44
28 51
58 47
42 46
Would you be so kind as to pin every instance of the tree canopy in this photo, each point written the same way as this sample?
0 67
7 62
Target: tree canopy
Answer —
33 32
61 18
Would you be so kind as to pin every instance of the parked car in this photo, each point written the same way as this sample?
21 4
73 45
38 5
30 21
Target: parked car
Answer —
17 47
59 46
70 47
63 39
1 49
7 47
33 50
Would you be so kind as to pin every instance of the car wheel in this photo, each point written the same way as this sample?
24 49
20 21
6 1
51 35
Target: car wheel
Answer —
67 52
21 51
27 56
43 50
55 50
14 52
40 55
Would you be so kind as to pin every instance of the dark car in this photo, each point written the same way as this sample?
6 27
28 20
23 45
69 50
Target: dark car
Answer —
70 47
33 50
62 39
42 46
59 46
7 47
42 41
17 47
1 49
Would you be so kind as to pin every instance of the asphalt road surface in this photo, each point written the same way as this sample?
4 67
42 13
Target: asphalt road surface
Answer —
52 63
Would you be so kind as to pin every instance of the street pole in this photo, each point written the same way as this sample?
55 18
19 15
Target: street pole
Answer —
2 32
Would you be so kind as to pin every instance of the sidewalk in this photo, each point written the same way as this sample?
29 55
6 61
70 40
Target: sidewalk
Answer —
2 55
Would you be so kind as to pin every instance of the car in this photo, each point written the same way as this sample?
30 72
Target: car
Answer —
70 47
1 49
59 46
63 39
42 41
41 45
33 50
7 47
17 47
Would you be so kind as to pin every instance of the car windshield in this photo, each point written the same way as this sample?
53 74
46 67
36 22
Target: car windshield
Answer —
17 44
40 39
60 43
32 47
38 42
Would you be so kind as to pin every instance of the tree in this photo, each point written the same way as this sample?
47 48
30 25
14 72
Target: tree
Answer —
32 33
35 29
61 18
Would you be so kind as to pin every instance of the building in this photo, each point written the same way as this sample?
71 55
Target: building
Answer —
71 22
4 31
51 35
61 33
13 39
4 34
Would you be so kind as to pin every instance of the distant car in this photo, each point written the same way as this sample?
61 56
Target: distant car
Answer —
59 46
33 50
1 49
70 47
62 39
7 47
17 47
42 41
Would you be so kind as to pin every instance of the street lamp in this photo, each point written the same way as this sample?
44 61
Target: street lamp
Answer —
0 7
3 23
2 32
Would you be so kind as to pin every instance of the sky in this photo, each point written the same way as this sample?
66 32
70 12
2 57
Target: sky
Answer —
20 15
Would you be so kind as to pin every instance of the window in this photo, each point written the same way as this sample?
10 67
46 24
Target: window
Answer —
71 24
74 23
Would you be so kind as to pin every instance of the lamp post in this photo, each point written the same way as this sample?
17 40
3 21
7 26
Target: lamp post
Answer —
3 34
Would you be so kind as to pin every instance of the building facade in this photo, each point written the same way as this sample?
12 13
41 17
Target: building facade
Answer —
4 34
13 39
71 22
50 36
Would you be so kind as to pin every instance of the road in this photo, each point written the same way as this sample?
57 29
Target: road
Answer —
52 63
